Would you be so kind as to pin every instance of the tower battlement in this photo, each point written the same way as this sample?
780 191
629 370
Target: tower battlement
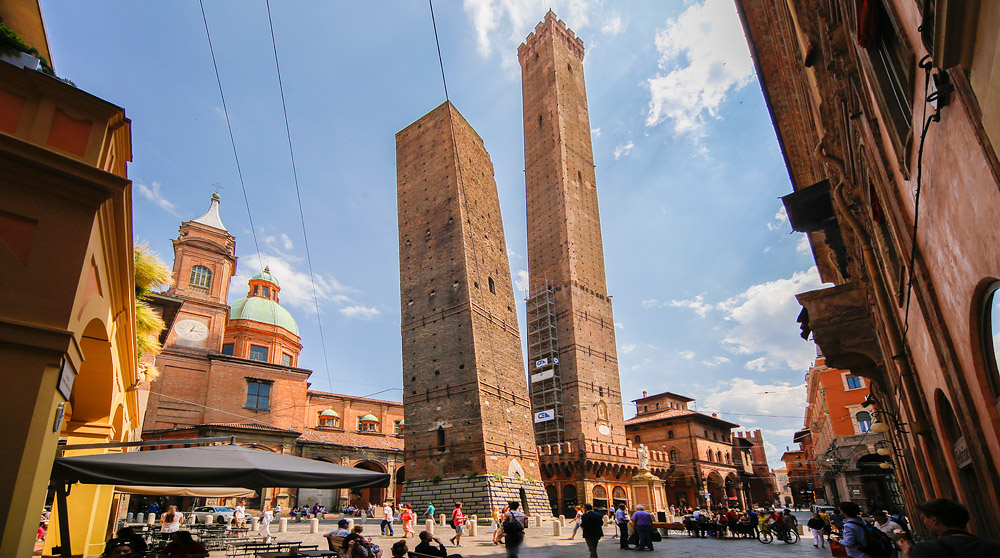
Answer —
551 26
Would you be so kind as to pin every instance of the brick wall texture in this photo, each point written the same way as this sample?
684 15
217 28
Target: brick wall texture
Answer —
479 495
467 408
564 229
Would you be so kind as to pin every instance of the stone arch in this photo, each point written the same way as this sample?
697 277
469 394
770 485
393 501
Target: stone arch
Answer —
93 391
569 500
361 497
553 494
619 496
399 479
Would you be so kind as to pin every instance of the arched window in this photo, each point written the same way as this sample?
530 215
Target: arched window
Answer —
493 286
442 446
709 455
670 433
675 455
990 335
864 421
201 278
637 439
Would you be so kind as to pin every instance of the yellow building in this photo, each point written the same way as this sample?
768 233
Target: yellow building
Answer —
67 306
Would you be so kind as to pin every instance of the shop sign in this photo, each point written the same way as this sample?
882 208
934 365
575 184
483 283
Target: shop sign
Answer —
961 450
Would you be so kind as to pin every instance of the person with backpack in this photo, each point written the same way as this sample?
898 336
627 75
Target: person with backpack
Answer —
458 522
514 523
946 520
860 539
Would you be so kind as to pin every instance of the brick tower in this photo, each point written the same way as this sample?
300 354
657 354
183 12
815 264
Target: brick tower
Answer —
468 417
572 360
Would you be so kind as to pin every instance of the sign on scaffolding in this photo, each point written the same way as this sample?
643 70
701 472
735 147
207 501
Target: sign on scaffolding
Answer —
545 375
545 416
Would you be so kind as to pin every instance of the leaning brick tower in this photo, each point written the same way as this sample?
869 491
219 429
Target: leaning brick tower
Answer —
468 417
572 360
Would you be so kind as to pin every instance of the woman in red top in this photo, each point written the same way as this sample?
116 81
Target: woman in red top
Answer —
458 521
407 518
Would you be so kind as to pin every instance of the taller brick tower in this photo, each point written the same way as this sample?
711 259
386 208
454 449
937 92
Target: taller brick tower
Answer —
572 360
468 417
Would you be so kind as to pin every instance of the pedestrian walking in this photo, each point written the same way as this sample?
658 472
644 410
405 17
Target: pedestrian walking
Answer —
622 519
277 512
576 521
498 515
644 528
946 520
407 518
816 525
266 517
854 538
514 523
430 511
592 524
458 522
387 519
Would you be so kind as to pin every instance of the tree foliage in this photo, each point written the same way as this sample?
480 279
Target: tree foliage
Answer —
150 273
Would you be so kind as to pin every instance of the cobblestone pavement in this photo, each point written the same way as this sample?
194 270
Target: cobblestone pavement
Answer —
540 543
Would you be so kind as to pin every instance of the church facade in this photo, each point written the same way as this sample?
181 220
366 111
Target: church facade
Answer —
231 369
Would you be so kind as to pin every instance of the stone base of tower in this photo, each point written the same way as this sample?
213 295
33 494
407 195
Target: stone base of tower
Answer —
479 495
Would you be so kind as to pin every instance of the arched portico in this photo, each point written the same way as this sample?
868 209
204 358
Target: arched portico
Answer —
362 497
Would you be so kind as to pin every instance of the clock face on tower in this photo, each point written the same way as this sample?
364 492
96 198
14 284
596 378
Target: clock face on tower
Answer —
191 330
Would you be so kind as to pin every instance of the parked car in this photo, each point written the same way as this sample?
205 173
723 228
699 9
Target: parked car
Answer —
829 510
223 514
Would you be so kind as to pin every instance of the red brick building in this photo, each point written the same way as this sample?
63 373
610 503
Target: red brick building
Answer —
877 105
572 358
232 370
762 484
470 436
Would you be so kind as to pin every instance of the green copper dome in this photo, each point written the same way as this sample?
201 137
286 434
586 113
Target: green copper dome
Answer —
262 310
370 418
329 413
265 276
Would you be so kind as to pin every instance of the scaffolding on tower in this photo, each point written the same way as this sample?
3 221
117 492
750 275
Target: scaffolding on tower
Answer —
543 365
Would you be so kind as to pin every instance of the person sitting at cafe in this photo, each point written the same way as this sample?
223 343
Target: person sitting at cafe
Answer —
183 545
341 531
358 546
136 541
427 546
118 548
399 549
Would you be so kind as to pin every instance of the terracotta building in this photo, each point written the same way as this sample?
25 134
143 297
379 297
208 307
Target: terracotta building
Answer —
700 448
762 484
572 359
67 306
846 450
469 435
231 369
784 491
878 105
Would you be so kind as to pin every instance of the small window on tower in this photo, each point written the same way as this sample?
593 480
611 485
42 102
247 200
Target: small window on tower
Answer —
227 349
286 359
267 291
441 445
256 288
493 286
539 121
201 278
670 434
638 439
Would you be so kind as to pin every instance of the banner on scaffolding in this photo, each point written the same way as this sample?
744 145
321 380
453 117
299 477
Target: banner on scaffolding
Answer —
545 416
547 374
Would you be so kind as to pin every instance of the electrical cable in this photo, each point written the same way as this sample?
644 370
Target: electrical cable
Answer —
438 43
232 138
298 196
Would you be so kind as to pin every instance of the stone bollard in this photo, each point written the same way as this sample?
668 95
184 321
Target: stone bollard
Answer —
283 525
313 526
129 517
255 524
429 526
150 520
209 518
562 519
538 520
473 524
191 519
444 520
139 518
556 529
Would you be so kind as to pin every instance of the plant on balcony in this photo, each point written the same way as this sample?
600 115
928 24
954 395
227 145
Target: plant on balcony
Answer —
11 43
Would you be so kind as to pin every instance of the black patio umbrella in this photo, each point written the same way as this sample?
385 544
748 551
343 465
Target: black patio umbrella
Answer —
228 465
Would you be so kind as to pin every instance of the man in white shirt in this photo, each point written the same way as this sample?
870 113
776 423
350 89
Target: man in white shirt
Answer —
887 526
387 519
240 513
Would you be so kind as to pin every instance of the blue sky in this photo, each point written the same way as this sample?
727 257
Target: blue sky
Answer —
700 259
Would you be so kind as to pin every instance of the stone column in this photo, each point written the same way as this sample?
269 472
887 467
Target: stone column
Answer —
283 525
313 526
429 526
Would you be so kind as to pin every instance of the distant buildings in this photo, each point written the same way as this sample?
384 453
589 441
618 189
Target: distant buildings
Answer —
888 116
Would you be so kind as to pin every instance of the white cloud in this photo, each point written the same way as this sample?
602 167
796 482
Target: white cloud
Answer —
613 25
628 348
650 303
619 325
759 364
764 322
780 220
802 246
296 288
686 355
359 311
697 304
703 54
596 132
736 396
521 281
286 242
624 149
715 361
155 195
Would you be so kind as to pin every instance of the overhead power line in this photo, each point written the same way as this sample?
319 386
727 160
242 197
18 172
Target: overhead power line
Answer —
438 43
298 196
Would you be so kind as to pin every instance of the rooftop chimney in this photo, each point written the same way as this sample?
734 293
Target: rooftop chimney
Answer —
644 393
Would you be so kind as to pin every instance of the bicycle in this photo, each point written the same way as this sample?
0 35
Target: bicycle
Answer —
786 535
